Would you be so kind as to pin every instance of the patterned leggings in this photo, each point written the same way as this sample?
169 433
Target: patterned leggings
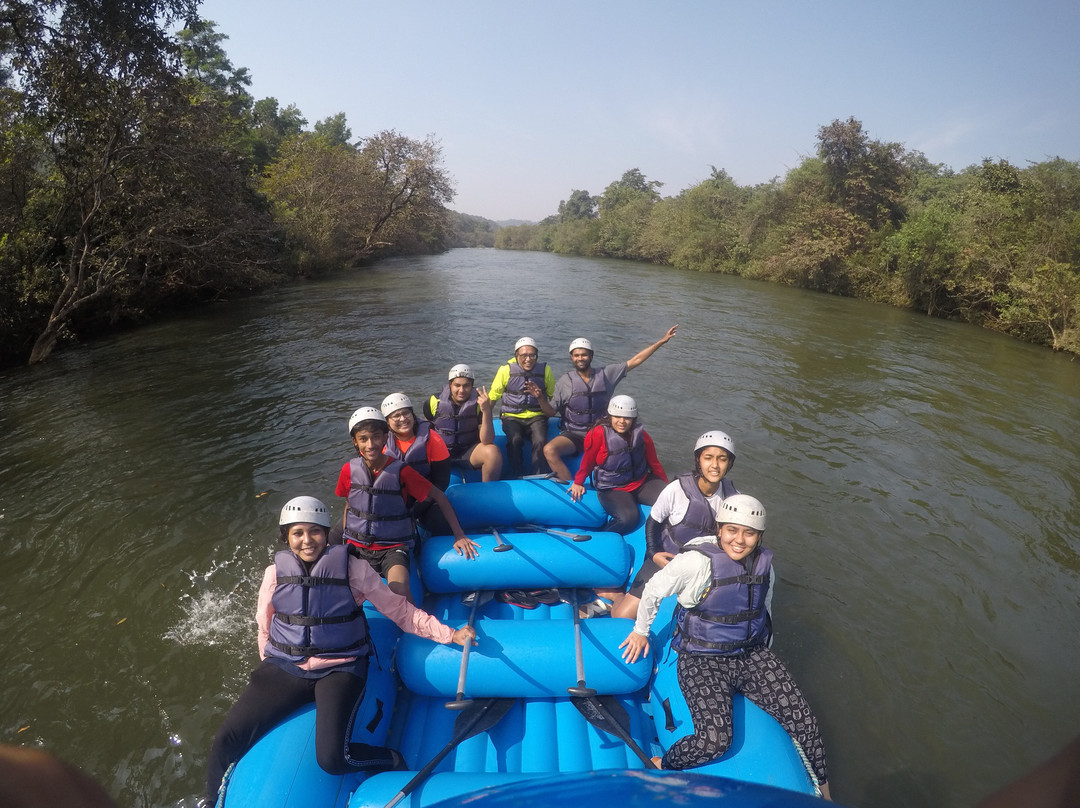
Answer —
709 681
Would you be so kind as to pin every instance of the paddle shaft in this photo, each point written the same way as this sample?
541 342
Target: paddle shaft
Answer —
478 717
581 689
461 702
564 533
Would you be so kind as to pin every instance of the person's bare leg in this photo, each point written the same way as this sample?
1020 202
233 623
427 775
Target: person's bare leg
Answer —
397 578
625 606
488 459
554 450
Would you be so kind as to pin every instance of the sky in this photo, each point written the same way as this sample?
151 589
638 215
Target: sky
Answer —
532 100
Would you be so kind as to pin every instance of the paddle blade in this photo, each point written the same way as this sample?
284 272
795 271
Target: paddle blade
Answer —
477 717
608 714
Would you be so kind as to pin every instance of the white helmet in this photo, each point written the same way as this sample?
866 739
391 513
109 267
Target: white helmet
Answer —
742 509
305 509
364 414
622 406
395 402
457 371
581 342
715 438
524 342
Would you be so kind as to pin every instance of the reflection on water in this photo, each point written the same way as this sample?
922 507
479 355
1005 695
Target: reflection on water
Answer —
921 479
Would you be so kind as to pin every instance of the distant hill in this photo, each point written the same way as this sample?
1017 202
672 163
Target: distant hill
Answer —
476 231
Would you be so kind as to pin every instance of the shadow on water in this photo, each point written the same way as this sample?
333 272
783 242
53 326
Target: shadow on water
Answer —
922 481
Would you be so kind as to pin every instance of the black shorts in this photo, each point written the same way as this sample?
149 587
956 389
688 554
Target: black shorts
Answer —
382 560
576 439
460 459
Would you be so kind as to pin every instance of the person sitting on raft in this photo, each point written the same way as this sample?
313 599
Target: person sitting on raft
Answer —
420 447
581 398
314 647
415 442
518 384
620 456
685 509
378 525
461 414
724 583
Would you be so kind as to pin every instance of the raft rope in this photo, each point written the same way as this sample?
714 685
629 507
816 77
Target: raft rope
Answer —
224 784
809 768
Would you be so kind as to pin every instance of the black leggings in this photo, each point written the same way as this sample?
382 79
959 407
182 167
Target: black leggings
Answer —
272 696
622 506
515 429
708 683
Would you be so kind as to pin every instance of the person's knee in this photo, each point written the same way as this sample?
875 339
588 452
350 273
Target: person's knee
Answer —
331 758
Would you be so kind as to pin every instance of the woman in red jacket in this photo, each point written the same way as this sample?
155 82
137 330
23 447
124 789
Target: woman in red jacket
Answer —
622 460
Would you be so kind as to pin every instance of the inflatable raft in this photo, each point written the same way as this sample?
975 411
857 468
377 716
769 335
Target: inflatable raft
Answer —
547 708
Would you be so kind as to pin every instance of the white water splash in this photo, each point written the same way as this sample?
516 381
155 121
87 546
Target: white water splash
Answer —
213 614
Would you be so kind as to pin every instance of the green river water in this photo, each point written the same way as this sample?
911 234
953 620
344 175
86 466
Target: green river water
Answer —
922 480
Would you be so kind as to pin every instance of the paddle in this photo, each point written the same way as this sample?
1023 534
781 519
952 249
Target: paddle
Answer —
563 533
461 702
478 717
581 689
502 546
608 714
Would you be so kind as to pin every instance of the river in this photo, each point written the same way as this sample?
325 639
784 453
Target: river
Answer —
922 480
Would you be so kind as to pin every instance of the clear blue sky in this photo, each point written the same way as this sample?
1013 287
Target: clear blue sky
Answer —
531 100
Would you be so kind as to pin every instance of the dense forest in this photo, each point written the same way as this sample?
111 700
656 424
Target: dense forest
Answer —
137 174
995 245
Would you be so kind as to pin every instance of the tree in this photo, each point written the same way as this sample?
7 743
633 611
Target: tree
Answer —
341 205
625 207
866 176
206 61
580 205
137 194
271 127
334 130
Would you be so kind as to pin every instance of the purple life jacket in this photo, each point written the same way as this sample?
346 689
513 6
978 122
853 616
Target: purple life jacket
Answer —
699 519
376 515
625 462
587 403
415 457
458 425
732 616
514 397
315 613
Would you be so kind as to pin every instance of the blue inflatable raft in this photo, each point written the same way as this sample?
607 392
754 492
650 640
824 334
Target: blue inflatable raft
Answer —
537 741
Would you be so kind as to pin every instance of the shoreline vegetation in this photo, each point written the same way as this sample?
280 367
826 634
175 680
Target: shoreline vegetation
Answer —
138 176
993 245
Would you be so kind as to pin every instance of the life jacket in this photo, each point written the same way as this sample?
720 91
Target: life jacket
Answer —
376 517
732 615
514 397
587 403
625 461
699 519
315 613
415 457
458 425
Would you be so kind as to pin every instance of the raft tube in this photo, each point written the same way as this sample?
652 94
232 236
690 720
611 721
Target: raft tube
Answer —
543 745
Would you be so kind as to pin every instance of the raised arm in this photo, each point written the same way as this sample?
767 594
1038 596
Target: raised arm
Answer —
645 353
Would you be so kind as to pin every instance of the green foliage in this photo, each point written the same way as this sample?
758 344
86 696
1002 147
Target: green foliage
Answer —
334 130
471 231
340 206
993 245
580 205
128 168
